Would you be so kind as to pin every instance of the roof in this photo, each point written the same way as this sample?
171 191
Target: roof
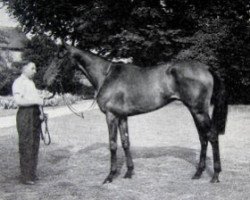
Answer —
14 38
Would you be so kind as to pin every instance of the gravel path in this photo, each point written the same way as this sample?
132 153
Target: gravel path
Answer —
8 121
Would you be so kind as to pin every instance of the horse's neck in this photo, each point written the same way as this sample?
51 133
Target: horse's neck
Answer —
94 67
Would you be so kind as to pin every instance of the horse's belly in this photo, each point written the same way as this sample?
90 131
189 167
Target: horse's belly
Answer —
136 97
136 104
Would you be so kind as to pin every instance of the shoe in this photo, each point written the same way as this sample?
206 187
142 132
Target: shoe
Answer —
35 178
28 182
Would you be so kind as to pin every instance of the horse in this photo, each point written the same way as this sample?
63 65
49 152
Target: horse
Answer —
124 90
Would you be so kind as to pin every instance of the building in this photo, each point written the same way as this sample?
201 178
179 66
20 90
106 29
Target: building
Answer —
12 44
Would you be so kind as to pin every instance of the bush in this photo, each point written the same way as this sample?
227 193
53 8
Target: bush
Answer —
40 50
7 102
7 77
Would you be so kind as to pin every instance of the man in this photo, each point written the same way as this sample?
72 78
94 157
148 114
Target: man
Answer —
29 118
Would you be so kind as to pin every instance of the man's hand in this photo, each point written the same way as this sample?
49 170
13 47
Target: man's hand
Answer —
43 116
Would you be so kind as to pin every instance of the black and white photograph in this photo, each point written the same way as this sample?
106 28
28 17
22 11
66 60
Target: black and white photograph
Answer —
125 99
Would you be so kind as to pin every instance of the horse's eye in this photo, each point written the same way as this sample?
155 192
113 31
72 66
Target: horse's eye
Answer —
61 52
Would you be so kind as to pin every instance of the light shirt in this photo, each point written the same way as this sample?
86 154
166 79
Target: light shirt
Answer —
25 92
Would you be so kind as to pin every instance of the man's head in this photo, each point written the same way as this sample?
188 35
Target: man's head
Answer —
29 69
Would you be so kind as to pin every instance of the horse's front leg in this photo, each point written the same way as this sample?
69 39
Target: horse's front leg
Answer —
123 128
112 122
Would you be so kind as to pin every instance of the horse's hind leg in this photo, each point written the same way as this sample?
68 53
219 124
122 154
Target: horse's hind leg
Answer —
112 122
216 155
206 133
203 125
123 128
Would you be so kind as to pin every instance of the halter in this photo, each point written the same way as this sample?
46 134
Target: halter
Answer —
109 67
80 114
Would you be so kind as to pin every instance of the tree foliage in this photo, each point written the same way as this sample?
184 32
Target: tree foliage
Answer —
123 28
40 50
70 80
3 40
150 31
7 77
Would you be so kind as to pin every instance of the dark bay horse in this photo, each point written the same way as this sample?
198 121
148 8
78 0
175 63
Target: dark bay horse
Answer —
124 90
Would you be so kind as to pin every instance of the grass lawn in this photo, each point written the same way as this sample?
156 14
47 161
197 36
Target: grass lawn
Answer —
165 148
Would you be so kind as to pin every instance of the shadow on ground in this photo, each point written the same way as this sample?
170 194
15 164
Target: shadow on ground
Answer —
186 154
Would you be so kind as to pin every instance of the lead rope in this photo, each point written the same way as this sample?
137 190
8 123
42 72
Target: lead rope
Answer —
79 114
46 133
46 129
45 136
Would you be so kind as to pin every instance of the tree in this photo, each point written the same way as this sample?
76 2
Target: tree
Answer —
7 77
103 25
3 40
40 50
149 31
236 61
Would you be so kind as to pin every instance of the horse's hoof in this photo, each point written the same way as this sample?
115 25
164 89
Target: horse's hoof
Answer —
110 177
215 180
197 175
128 174
107 180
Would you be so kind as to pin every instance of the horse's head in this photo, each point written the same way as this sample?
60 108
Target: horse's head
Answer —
60 69
68 60
52 72
63 51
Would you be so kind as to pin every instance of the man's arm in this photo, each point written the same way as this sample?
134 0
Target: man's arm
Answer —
22 101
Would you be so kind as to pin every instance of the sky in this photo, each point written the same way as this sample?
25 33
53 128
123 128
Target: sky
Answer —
5 19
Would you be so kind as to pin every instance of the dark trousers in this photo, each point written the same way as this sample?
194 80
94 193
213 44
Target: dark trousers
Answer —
29 129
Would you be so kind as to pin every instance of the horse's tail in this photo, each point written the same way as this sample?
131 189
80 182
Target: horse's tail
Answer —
220 111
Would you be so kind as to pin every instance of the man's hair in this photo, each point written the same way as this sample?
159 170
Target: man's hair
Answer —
23 63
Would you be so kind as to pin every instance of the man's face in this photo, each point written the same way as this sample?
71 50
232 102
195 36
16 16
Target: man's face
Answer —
30 70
